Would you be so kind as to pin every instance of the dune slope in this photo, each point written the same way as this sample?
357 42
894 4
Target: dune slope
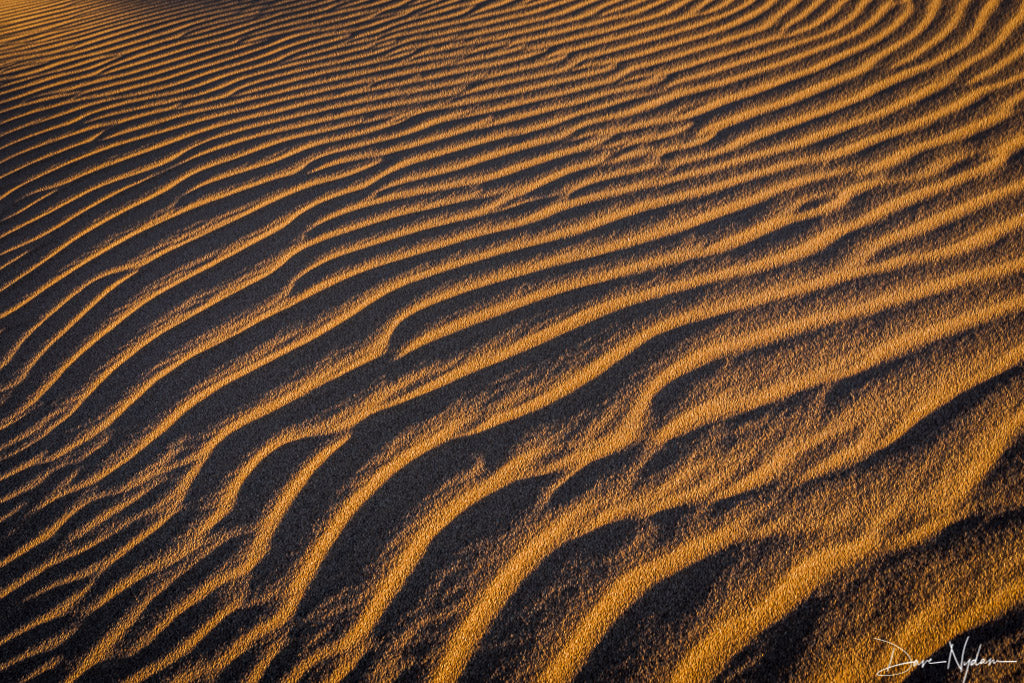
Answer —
536 340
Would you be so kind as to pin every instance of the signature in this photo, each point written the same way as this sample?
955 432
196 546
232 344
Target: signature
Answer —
900 661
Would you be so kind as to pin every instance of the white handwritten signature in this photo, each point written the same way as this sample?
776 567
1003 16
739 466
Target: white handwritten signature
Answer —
900 661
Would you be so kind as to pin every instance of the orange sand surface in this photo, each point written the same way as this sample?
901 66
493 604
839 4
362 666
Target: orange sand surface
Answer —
545 340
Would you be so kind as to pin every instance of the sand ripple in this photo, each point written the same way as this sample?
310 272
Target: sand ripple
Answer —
509 340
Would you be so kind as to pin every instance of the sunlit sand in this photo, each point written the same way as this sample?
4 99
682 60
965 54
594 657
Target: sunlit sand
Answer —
452 340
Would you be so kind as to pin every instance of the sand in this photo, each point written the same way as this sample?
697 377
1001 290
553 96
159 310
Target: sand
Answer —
535 340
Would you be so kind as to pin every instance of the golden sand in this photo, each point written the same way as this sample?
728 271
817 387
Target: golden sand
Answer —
534 340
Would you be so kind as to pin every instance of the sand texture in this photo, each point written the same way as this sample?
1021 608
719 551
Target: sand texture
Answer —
545 340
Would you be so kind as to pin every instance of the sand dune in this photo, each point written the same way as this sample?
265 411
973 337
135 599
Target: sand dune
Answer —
495 340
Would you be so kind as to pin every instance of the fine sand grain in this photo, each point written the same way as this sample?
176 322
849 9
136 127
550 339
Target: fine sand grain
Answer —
537 340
